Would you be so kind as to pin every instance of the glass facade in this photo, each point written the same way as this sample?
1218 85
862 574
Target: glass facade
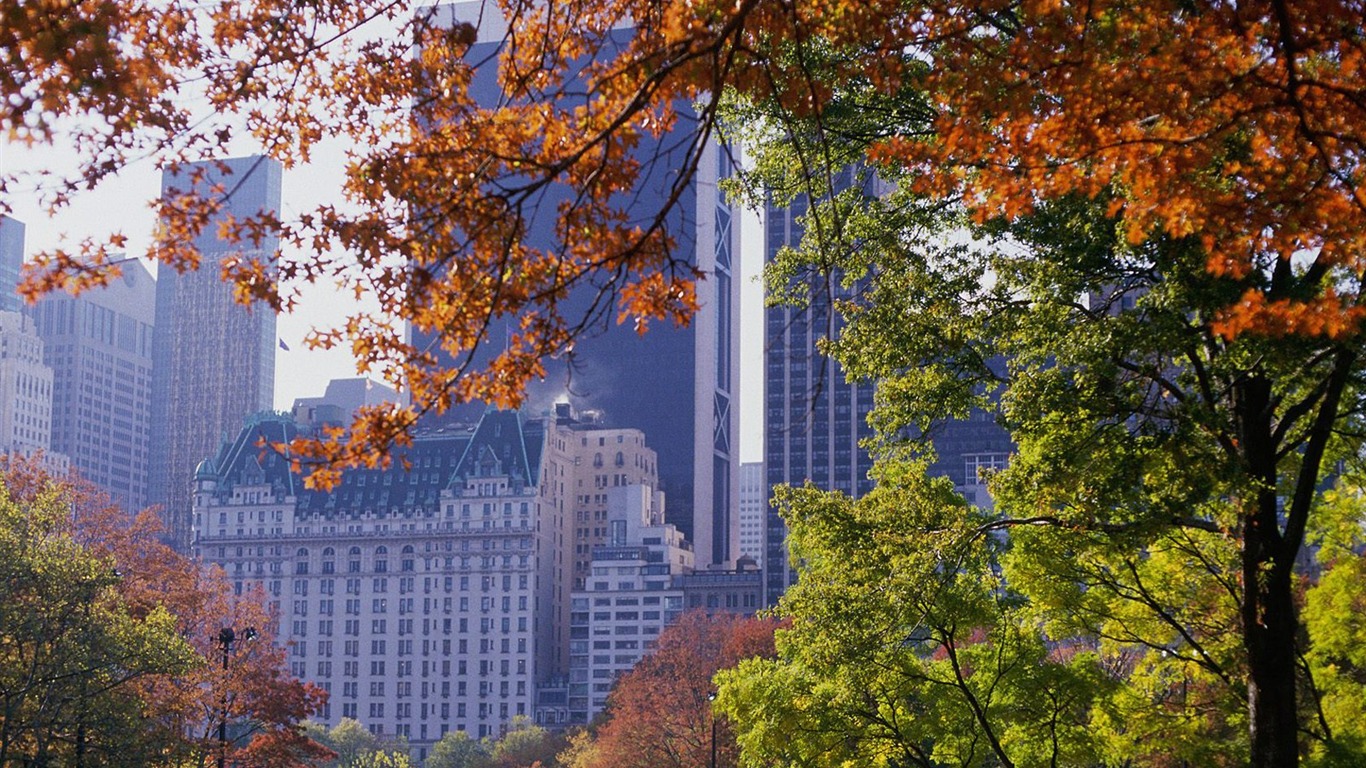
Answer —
213 359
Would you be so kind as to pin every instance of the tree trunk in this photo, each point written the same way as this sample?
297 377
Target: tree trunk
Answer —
1268 609
1269 639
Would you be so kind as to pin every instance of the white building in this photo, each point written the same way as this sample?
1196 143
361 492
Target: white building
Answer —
438 598
26 393
753 510
421 600
99 346
629 599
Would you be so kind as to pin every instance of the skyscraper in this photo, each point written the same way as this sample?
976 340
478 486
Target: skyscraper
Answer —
99 347
214 359
25 387
814 418
677 385
11 260
753 510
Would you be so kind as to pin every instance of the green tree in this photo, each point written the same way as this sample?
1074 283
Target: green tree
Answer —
457 750
1168 467
906 648
524 745
354 746
76 662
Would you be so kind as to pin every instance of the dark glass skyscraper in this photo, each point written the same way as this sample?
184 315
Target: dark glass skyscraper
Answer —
677 385
814 418
214 359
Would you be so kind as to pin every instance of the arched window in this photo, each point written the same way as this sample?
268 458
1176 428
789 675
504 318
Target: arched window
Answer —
621 459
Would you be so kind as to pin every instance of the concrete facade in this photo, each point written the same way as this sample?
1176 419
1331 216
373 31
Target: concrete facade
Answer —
99 347
25 387
629 598
422 600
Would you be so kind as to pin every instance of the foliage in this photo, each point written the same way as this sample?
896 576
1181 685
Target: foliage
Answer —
906 647
140 623
1167 470
1244 135
524 745
659 714
457 750
76 659
348 741
1193 167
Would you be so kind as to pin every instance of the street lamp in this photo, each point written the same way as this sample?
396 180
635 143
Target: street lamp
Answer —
226 637
711 697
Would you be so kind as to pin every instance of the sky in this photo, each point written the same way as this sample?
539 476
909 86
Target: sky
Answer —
122 205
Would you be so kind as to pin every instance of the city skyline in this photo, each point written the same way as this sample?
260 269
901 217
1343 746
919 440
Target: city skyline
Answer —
121 205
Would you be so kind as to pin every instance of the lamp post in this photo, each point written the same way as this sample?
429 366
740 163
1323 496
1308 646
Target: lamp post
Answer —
226 637
711 697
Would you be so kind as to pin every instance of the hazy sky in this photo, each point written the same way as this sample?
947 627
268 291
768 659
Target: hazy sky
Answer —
121 205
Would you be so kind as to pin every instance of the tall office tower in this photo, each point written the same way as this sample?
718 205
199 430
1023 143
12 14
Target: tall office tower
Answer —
753 510
814 418
677 385
25 387
421 599
213 359
11 261
99 346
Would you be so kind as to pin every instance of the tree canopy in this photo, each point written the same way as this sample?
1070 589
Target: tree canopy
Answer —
1169 194
1240 129
108 642
660 713
1170 460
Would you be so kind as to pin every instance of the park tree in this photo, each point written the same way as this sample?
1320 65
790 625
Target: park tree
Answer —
456 749
169 679
1171 447
660 713
906 647
1198 160
75 658
524 745
348 741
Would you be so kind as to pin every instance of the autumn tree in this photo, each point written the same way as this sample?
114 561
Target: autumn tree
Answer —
659 714
1168 466
75 658
1207 154
177 692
